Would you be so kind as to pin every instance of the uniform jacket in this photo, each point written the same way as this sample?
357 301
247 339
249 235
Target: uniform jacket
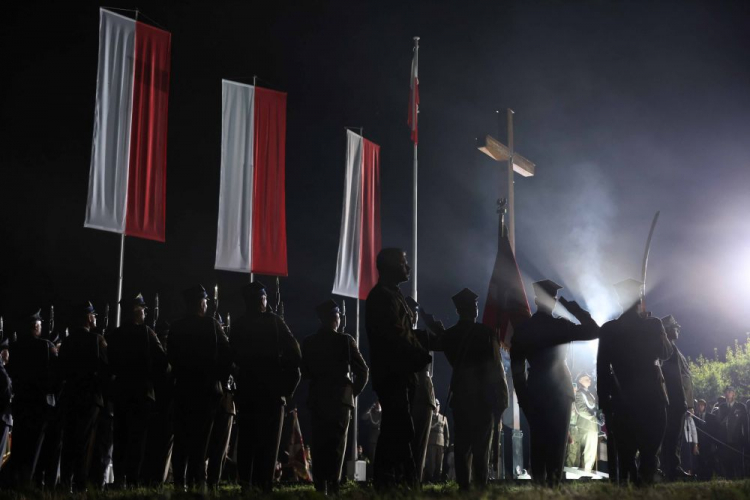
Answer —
478 378
395 352
6 392
200 357
424 393
586 410
439 431
267 356
732 422
627 368
678 381
136 360
84 366
32 368
327 358
540 342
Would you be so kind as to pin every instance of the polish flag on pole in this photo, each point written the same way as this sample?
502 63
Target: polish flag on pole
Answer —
414 94
360 241
251 235
128 174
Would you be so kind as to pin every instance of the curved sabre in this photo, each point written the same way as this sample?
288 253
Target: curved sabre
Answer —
648 249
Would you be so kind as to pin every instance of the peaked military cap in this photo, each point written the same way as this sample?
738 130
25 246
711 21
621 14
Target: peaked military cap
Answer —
34 316
545 287
670 322
132 302
730 388
413 305
195 293
465 297
583 374
254 289
327 309
86 308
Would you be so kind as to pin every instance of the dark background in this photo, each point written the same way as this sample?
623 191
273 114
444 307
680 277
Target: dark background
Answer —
625 107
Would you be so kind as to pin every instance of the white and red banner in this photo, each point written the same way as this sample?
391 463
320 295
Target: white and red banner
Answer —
360 241
251 235
414 97
128 174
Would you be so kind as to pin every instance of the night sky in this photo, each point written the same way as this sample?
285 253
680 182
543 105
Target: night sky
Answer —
625 107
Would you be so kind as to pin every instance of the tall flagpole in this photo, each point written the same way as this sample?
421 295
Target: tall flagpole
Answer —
415 112
119 279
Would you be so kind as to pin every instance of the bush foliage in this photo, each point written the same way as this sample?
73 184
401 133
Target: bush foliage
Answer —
711 376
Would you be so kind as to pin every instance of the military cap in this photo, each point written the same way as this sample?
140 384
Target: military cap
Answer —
133 302
194 293
583 374
254 289
413 305
629 290
670 322
545 288
730 388
85 308
327 309
465 298
33 316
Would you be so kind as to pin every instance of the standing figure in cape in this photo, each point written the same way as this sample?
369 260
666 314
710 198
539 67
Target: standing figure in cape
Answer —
631 387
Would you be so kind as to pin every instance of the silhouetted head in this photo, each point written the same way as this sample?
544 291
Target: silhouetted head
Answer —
584 380
84 315
196 300
329 314
629 294
392 265
255 296
545 295
730 394
31 323
671 327
467 304
134 309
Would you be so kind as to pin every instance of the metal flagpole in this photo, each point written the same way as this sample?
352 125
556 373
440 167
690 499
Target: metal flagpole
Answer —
119 279
511 194
414 121
255 84
355 414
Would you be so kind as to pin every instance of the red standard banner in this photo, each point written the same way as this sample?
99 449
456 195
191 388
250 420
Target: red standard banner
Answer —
370 232
269 200
147 178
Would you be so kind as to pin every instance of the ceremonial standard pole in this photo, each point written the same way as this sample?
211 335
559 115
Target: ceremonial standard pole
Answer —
119 279
415 112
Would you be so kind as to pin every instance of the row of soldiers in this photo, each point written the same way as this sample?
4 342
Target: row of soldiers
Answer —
193 369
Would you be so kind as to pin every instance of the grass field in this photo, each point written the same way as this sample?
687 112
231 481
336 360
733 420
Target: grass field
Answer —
579 491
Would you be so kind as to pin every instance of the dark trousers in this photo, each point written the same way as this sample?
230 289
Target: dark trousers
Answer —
260 423
218 445
639 429
132 415
548 434
159 443
421 415
394 461
672 445
433 471
29 427
79 433
731 460
329 434
193 422
473 428
103 448
47 472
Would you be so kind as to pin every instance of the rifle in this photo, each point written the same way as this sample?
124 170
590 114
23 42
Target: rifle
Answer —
156 311
228 326
279 308
105 323
216 302
342 324
2 330
51 329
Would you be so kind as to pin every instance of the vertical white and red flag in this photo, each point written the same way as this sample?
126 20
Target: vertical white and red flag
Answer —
414 96
506 304
360 241
251 235
128 175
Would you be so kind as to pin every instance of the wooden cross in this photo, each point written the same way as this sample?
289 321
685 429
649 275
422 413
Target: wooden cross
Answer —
500 152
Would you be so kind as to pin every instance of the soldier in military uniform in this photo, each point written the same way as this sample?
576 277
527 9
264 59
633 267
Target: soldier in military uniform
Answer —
84 366
423 404
478 390
337 372
438 443
396 356
732 417
200 357
630 386
707 426
31 367
136 359
587 422
268 362
679 383
545 391
218 445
